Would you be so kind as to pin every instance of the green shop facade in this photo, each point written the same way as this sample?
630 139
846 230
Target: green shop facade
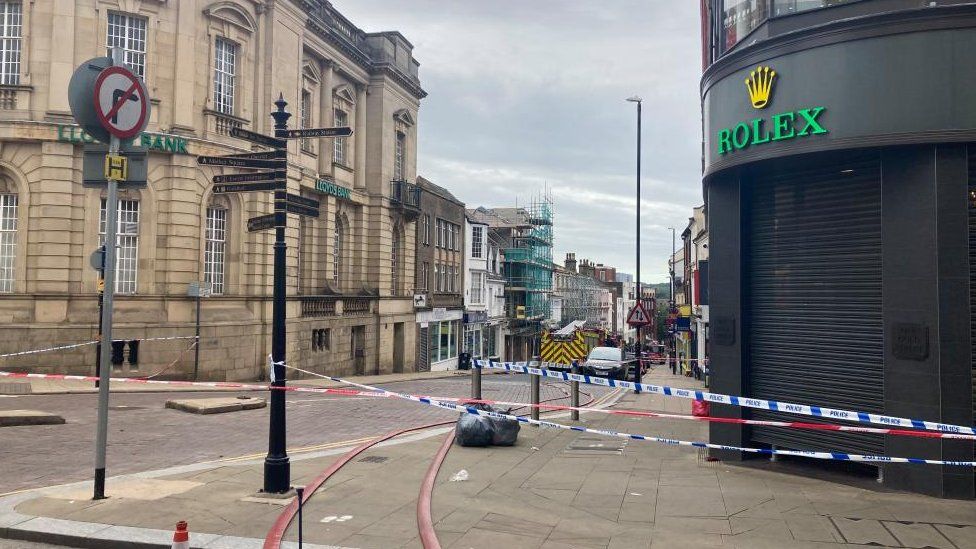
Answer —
839 175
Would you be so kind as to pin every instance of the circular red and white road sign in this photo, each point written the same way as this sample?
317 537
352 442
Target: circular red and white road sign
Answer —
121 102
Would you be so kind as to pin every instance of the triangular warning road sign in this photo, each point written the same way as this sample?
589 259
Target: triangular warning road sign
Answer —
638 315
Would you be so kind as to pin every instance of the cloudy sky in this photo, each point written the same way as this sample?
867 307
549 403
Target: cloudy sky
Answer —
527 95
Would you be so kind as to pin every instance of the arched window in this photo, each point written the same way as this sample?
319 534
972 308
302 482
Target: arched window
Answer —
395 257
216 248
8 236
127 242
337 250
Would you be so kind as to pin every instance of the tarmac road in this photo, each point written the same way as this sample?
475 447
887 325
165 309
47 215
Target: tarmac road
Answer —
143 435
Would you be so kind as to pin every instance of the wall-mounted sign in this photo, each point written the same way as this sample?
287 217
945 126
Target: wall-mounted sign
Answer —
150 141
329 187
780 127
760 86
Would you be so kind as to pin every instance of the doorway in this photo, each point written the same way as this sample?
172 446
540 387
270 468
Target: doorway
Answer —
398 347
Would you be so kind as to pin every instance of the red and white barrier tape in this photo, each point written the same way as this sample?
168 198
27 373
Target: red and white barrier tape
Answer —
86 343
630 413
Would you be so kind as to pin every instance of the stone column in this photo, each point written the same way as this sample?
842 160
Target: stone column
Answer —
327 117
185 59
62 64
360 136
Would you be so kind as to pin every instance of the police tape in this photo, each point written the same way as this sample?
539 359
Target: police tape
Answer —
209 384
745 402
86 343
552 407
839 456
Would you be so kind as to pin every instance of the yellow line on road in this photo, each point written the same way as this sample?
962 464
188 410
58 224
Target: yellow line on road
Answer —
324 446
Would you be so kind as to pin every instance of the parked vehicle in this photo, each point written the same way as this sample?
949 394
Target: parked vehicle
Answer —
606 361
655 353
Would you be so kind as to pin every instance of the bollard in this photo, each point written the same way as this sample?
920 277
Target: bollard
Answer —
534 386
299 490
476 381
574 393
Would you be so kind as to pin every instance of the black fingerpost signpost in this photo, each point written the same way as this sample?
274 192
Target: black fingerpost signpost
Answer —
277 465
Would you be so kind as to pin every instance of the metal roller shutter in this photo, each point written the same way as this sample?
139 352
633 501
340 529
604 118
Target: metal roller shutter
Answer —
814 272
972 265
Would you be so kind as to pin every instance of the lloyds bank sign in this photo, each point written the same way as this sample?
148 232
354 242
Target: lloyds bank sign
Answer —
785 126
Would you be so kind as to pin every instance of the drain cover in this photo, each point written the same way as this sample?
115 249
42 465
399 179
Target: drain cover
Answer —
374 459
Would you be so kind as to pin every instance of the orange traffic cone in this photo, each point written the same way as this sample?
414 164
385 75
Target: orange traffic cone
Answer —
181 538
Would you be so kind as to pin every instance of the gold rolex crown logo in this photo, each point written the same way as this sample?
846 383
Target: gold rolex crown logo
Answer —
760 85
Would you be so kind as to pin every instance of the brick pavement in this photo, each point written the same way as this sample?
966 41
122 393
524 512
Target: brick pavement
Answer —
144 436
554 489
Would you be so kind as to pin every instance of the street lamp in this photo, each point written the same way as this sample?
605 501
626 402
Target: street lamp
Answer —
671 305
640 342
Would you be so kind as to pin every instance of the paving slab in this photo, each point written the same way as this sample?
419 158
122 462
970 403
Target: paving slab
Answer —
20 387
536 494
918 535
20 418
864 532
216 405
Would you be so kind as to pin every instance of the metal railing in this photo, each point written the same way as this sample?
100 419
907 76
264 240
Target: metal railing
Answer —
405 193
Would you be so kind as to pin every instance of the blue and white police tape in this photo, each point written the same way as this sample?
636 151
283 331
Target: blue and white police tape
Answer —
745 402
839 456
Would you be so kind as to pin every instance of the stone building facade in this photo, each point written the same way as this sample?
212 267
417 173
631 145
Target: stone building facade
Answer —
211 66
439 295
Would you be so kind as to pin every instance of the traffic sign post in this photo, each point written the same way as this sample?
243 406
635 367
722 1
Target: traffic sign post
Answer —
261 223
638 316
305 133
249 177
224 188
111 103
277 466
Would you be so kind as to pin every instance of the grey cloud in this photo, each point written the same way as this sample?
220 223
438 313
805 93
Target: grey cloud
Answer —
528 94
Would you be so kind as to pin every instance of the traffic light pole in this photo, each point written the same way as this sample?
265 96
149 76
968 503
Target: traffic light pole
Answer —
277 466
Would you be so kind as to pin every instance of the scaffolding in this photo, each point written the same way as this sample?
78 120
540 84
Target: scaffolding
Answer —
528 262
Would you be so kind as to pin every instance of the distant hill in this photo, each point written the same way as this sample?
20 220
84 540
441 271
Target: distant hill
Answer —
662 289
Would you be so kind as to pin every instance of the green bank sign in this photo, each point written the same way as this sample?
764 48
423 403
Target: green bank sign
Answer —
151 141
780 127
328 187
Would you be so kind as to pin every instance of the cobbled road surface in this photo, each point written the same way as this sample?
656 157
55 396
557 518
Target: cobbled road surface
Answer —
144 435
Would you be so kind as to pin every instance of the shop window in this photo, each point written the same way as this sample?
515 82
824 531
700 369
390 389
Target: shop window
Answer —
443 340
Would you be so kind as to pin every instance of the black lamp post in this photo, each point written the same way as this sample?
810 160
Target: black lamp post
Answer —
640 294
